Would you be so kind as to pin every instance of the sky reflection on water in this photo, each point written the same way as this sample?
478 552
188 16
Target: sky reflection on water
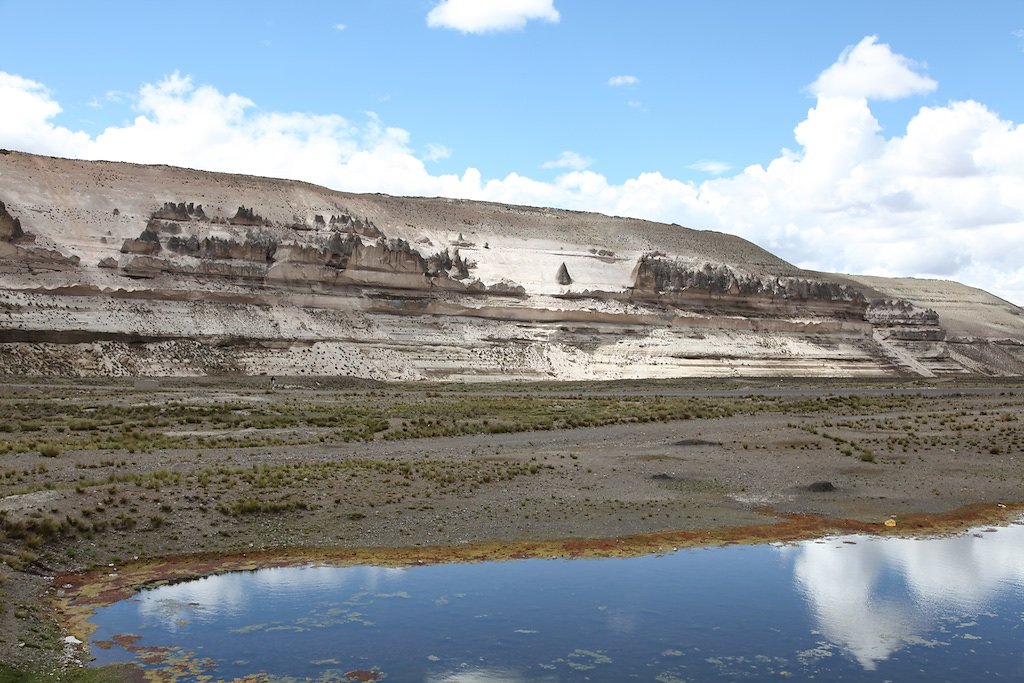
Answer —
849 607
875 597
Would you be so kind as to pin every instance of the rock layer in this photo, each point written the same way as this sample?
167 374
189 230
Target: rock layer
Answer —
120 269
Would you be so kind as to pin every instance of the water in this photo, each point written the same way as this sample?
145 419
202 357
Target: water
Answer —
848 608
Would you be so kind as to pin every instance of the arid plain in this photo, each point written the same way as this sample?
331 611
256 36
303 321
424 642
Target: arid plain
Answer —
115 473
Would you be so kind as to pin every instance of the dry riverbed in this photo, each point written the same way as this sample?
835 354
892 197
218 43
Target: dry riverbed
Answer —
94 474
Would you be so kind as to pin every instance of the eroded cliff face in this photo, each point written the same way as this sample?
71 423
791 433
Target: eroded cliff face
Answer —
120 269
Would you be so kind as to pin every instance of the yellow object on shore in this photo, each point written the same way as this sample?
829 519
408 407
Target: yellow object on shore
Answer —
890 522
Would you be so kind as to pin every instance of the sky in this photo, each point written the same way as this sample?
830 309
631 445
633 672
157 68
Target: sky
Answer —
874 137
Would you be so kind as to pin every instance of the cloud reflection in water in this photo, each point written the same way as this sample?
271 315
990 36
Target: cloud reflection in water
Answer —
212 597
849 587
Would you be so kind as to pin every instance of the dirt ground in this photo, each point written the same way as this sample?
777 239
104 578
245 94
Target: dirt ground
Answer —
106 473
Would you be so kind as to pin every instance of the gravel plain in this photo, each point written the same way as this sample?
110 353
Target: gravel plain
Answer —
109 473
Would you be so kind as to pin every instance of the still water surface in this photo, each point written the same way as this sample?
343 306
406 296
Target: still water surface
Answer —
845 608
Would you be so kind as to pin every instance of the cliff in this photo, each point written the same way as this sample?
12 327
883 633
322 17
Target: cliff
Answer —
122 269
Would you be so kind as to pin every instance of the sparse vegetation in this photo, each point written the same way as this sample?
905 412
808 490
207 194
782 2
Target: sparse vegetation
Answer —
95 475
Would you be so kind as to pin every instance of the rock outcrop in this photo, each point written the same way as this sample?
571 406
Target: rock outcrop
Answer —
23 250
562 276
244 216
656 274
257 248
123 271
10 227
147 243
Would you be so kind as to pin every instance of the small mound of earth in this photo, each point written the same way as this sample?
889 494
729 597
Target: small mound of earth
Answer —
696 442
821 487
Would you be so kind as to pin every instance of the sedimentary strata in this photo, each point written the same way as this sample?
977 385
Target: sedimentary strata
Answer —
113 269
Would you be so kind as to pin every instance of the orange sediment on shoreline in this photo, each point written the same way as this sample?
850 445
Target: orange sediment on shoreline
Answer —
77 595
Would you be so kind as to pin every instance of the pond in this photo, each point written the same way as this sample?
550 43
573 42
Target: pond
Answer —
849 608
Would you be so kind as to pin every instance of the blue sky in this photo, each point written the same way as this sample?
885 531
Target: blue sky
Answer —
641 108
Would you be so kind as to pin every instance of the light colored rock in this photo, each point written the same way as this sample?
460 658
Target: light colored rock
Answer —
415 288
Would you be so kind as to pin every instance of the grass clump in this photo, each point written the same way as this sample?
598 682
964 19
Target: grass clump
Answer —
254 506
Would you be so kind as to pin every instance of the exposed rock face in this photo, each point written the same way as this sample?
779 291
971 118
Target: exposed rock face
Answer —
459 268
244 216
287 278
257 248
21 248
356 226
172 212
10 227
147 243
658 274
562 276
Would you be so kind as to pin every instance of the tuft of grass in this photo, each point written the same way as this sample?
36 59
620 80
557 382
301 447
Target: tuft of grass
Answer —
254 506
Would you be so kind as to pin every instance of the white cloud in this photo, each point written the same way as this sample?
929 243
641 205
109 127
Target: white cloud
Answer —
340 27
712 167
944 198
478 16
436 152
25 119
619 81
870 70
570 160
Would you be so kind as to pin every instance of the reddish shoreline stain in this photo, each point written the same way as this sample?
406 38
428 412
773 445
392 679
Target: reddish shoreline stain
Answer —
102 586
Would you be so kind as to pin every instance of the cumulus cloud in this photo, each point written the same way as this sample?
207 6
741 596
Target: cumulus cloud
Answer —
570 160
871 70
943 198
25 119
181 123
340 27
619 81
474 16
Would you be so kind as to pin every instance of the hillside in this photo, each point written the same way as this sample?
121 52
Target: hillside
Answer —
124 269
